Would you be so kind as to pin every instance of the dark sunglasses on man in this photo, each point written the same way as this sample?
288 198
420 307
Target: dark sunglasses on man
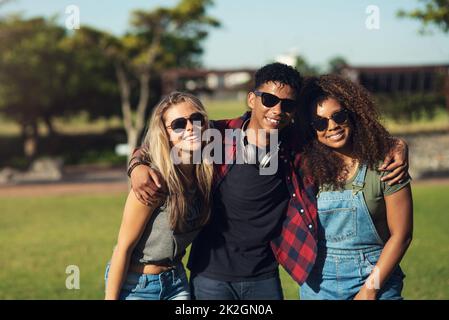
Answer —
179 124
339 117
270 100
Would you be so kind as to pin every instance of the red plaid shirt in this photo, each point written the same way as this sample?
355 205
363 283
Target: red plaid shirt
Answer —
296 247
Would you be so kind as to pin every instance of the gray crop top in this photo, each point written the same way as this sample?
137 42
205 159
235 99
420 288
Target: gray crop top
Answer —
159 244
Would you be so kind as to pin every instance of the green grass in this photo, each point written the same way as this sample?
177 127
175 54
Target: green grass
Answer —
225 109
40 237
439 122
427 261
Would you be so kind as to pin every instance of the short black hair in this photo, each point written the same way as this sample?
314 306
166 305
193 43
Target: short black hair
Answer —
279 72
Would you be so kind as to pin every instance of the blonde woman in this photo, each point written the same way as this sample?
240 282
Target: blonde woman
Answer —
146 263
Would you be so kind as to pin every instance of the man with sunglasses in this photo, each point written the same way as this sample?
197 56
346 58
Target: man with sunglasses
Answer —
257 221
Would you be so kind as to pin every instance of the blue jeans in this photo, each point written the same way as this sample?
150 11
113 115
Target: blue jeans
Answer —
209 289
169 285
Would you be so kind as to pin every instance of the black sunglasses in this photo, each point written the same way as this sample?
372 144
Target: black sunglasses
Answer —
339 117
270 100
179 124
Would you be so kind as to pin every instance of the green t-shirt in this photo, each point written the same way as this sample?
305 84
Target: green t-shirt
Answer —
374 192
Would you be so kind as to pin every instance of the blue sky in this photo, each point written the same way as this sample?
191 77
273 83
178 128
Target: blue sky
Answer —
254 32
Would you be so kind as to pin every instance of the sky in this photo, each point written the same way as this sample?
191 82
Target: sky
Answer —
255 32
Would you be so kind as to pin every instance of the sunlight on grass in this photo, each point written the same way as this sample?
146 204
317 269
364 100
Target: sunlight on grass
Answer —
40 237
439 122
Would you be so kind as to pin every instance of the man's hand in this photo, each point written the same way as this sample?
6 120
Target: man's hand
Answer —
147 184
396 162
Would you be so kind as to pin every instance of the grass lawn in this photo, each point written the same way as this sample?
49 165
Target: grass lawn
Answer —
40 237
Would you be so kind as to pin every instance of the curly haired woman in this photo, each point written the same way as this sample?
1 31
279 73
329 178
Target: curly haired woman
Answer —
365 224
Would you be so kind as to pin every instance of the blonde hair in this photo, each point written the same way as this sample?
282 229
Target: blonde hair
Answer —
156 149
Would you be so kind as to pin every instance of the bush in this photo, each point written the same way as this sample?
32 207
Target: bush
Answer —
409 107
73 149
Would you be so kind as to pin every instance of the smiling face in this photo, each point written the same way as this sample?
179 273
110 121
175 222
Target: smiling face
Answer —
274 117
189 139
335 136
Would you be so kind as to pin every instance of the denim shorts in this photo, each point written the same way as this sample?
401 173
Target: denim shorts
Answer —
169 285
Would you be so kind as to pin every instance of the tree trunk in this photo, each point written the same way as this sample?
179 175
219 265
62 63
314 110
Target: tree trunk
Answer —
31 136
143 103
50 127
132 143
133 128
125 95
133 135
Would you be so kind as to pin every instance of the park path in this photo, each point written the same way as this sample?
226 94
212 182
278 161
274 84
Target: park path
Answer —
59 189
78 180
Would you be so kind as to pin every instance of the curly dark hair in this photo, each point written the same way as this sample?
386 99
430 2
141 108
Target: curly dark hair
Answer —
279 72
370 140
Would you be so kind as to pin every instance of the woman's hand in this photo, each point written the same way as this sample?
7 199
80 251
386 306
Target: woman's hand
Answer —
366 294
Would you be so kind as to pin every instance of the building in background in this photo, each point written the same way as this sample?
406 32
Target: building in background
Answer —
402 79
215 84
235 83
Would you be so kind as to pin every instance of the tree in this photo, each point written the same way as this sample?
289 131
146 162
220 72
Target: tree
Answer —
436 12
159 39
408 107
305 68
40 78
336 64
93 87
26 47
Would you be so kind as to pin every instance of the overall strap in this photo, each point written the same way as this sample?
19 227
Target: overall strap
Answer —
359 181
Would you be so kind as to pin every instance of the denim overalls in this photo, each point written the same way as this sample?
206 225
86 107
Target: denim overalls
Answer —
348 247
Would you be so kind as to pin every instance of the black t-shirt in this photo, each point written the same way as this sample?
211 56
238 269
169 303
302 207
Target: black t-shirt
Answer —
247 214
